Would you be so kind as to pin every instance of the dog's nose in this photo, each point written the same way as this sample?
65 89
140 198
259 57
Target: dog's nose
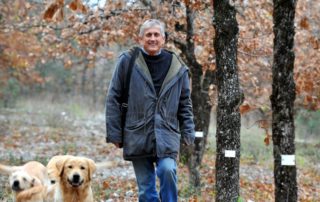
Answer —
76 178
16 185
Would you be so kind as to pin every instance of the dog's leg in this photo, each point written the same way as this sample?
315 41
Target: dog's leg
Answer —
49 193
36 192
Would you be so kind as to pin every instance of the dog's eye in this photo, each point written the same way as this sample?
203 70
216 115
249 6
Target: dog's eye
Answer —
70 166
82 168
24 179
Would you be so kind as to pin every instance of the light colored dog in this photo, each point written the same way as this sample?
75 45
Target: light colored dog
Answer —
71 176
28 182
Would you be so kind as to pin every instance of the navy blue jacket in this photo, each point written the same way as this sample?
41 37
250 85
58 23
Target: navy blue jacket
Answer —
154 125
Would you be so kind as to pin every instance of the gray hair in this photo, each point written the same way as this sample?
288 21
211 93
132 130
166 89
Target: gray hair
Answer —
152 23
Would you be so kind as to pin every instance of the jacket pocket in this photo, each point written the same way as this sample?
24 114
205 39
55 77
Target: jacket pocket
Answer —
172 124
135 125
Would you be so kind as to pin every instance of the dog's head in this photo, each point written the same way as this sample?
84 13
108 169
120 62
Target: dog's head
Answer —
76 171
21 180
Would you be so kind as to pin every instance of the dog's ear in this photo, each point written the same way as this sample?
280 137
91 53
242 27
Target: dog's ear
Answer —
92 167
33 181
60 166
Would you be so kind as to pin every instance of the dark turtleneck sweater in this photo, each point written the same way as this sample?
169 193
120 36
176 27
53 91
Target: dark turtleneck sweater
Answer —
158 66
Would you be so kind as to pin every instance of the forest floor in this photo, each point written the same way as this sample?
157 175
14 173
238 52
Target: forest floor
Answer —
29 134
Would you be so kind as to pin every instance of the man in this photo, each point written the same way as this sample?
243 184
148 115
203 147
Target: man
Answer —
159 113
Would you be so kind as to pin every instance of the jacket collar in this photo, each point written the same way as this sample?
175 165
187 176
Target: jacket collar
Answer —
142 65
175 66
174 69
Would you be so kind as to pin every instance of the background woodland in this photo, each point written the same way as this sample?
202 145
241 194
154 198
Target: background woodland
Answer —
57 58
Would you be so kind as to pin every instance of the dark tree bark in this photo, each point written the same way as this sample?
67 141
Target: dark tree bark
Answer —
200 100
94 87
229 100
84 78
282 100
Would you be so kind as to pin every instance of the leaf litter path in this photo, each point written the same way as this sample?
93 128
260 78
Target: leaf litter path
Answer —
26 136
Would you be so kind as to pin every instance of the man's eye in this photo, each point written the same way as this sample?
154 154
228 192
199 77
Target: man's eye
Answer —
154 34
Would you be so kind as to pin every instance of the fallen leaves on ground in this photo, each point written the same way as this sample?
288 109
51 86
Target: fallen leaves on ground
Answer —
26 136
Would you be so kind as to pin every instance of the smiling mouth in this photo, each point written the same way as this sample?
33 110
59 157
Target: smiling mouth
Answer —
75 184
16 188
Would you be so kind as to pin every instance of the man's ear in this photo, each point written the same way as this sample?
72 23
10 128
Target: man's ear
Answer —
140 40
163 40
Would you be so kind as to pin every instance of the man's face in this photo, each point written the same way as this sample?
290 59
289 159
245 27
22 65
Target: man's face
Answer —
152 40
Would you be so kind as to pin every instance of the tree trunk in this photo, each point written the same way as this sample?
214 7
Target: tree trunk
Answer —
84 79
201 104
282 100
94 88
229 100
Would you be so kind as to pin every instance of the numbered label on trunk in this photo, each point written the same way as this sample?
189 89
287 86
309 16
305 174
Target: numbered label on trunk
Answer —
199 134
230 153
288 160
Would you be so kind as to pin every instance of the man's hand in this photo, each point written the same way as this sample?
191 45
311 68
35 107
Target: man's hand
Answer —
117 145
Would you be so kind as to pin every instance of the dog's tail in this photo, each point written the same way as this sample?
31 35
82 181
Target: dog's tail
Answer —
105 165
7 170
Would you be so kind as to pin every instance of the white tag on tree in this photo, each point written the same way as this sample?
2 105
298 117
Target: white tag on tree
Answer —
230 153
288 160
199 134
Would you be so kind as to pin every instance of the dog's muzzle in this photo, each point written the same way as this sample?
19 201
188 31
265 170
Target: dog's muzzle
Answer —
76 180
16 185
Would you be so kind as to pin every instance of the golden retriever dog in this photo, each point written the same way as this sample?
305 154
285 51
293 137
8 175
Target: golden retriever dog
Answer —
71 176
28 182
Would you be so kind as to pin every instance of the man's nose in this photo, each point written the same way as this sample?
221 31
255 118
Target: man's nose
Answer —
153 37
